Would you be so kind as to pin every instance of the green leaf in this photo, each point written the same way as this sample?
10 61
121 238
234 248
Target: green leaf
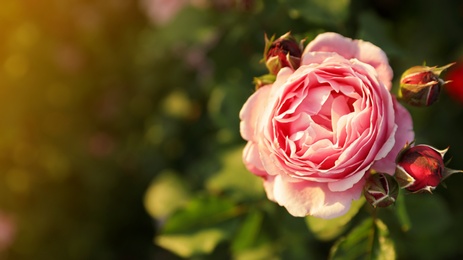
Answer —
263 251
250 242
197 228
248 232
234 178
401 211
369 240
327 229
325 12
166 194
383 246
187 245
201 212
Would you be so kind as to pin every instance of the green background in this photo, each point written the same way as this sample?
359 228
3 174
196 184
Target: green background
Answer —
119 136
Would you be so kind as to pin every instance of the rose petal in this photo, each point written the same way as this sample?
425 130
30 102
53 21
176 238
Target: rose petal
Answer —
252 159
347 182
403 135
348 48
311 198
251 111
268 186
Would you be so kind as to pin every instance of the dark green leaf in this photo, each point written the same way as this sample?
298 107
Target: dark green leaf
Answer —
199 227
251 242
401 211
369 240
186 245
248 232
204 211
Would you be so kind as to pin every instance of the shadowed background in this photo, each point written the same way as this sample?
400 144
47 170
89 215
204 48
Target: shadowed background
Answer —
119 134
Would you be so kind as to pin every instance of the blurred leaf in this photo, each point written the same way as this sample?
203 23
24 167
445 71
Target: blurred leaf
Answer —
186 245
369 240
248 232
294 238
327 229
166 194
235 178
401 211
383 247
251 242
264 251
203 211
326 12
200 226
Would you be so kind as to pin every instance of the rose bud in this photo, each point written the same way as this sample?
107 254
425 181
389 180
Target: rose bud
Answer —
455 82
381 190
421 168
282 52
421 85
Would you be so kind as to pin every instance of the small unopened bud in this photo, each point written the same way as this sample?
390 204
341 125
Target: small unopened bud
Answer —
381 190
421 85
282 52
421 168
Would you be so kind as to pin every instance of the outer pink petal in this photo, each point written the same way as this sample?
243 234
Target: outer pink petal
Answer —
252 159
254 164
403 135
315 199
251 112
255 108
268 186
348 48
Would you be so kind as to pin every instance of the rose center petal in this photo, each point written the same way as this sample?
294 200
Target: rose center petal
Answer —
318 122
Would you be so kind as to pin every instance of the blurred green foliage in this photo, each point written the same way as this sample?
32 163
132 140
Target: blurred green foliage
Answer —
120 135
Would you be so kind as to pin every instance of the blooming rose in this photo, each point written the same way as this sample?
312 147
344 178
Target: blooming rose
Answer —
317 131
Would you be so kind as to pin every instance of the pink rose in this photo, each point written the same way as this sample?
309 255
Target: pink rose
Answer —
315 134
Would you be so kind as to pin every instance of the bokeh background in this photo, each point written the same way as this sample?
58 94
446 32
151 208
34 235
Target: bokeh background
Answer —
119 134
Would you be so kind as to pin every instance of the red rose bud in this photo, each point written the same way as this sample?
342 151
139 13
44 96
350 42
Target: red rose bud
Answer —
282 52
381 190
455 82
420 168
421 85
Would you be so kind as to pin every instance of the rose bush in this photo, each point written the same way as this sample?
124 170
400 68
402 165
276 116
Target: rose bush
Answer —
315 134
